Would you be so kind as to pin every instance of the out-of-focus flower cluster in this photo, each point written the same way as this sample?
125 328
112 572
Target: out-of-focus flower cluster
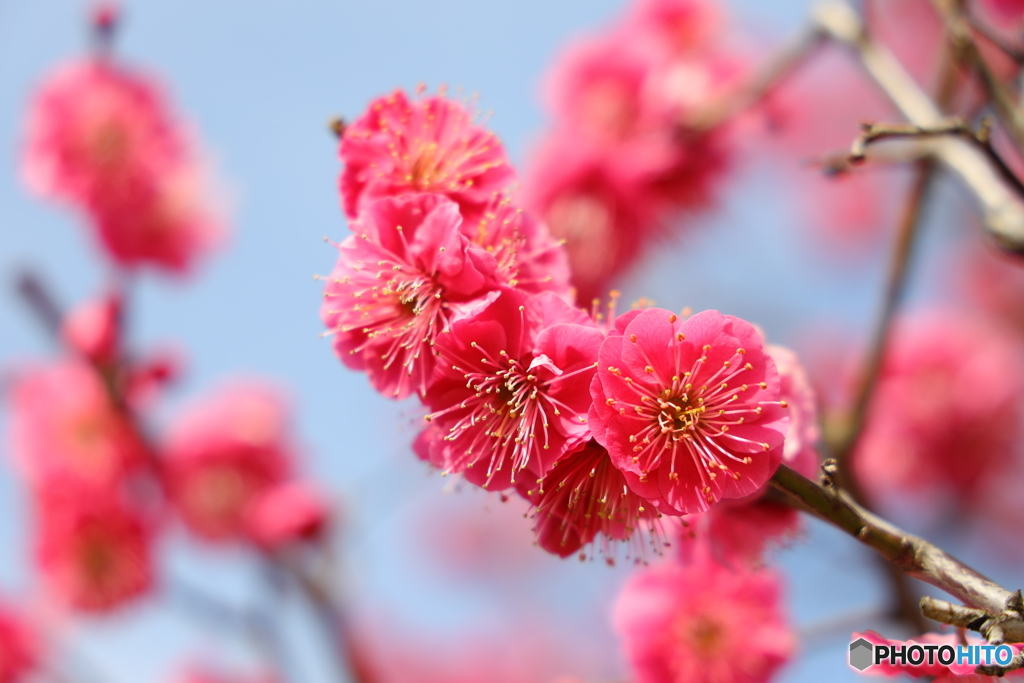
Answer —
106 482
619 166
102 139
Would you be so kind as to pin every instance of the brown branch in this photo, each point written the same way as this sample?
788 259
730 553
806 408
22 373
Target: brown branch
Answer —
911 554
1002 628
256 625
1014 52
765 79
39 301
877 132
1001 208
958 30
330 611
845 441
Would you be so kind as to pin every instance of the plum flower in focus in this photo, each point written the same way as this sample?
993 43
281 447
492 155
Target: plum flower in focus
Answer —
427 145
18 647
703 623
101 138
527 256
584 495
689 409
740 531
64 424
946 415
93 551
223 453
511 393
396 287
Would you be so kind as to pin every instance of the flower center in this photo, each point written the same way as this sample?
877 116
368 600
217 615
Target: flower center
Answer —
704 635
678 416
97 556
428 168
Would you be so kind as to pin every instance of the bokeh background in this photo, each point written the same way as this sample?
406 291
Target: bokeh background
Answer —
428 566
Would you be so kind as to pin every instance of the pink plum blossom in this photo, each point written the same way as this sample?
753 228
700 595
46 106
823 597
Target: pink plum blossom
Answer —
94 126
679 27
423 145
1005 10
289 513
602 207
397 287
601 88
738 532
703 623
167 221
93 551
19 648
584 495
101 138
223 453
690 410
617 163
946 413
511 394
94 329
64 423
801 449
528 257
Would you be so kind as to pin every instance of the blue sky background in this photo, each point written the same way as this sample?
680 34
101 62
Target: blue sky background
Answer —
259 80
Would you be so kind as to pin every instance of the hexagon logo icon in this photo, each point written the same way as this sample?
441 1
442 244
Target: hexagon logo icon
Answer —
861 654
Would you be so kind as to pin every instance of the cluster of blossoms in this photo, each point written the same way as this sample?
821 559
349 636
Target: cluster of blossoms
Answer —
102 139
637 429
620 163
604 423
931 438
104 484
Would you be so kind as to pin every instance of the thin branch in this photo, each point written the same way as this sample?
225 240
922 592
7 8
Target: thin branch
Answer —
958 30
995 629
911 554
954 615
37 297
1001 208
1014 52
877 132
895 289
765 79
256 625
332 615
